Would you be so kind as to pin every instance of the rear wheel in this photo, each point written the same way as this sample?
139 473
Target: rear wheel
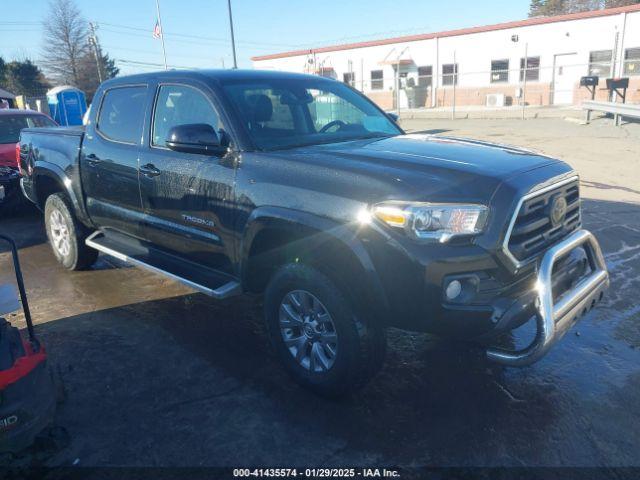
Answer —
317 334
66 234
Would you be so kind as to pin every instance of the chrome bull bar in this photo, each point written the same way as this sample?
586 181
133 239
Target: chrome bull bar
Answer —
554 320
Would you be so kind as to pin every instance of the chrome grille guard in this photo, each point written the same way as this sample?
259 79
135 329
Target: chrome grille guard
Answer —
554 320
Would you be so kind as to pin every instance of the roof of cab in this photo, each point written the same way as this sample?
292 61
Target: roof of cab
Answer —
220 75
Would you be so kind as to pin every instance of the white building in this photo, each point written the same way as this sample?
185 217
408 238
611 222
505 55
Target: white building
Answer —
485 65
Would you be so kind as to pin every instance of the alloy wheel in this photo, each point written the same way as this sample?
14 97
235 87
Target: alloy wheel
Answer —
60 236
308 331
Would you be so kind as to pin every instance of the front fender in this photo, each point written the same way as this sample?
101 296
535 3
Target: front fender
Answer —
297 221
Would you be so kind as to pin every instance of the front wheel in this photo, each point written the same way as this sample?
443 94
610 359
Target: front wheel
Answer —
66 234
317 334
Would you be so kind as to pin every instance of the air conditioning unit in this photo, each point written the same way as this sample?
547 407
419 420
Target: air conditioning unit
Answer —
495 100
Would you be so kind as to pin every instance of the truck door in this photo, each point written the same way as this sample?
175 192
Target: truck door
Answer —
187 198
109 159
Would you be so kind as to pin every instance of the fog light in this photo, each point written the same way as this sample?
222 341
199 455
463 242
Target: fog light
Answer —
453 289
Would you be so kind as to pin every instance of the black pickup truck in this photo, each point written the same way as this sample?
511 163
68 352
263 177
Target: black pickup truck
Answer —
300 189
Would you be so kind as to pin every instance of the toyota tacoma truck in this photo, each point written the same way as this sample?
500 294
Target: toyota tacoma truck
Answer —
300 189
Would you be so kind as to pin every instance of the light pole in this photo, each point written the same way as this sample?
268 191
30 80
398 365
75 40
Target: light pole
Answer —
233 41
523 94
524 81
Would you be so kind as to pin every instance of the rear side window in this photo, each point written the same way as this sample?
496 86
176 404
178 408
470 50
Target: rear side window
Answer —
122 113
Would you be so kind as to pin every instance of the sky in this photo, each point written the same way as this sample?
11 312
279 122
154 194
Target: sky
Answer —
197 31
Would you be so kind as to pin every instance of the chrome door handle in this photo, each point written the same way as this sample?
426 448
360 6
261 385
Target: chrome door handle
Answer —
92 159
150 170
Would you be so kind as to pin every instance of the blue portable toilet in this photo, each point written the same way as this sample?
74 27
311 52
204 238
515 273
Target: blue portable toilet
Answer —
67 105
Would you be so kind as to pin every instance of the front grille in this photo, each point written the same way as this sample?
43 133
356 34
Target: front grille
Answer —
533 231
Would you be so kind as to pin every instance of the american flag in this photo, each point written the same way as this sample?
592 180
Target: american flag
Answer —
157 31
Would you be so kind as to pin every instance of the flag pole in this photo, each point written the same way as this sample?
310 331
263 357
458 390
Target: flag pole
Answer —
164 51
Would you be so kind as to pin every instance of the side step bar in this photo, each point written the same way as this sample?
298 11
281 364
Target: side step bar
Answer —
109 246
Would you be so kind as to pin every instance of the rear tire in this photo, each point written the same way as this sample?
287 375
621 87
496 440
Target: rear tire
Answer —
66 234
328 349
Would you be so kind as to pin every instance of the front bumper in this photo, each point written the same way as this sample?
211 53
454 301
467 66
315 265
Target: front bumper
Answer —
554 320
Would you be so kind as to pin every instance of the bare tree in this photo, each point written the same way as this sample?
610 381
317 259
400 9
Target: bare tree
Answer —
65 41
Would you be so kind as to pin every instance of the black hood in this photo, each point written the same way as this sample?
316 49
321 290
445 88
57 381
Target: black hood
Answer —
417 167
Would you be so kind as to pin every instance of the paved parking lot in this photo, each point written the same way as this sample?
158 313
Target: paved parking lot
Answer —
155 375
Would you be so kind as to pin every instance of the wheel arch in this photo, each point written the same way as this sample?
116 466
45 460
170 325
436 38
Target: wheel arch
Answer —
49 179
276 236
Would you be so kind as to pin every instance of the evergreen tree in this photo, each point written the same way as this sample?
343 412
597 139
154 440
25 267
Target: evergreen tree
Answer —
22 78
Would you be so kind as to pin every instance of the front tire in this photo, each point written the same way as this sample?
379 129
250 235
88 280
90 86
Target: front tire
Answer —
316 333
66 234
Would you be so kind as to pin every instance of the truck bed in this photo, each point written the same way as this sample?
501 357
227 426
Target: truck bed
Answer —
54 152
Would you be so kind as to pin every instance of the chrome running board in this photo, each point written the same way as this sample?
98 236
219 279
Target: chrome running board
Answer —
212 284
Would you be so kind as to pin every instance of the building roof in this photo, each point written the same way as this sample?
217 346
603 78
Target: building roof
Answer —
453 33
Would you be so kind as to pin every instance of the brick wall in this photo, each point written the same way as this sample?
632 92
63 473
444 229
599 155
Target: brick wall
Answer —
537 94
602 94
384 98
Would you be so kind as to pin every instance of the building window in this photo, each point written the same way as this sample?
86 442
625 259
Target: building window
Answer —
600 63
499 71
349 78
425 76
377 82
533 69
632 61
326 72
450 74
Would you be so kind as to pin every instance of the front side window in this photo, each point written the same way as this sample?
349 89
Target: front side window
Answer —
288 113
450 74
533 69
181 105
10 125
632 61
122 114
600 63
499 71
377 81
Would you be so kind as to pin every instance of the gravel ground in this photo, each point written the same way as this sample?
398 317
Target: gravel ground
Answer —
156 375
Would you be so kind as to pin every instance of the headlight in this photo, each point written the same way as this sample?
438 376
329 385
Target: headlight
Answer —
433 221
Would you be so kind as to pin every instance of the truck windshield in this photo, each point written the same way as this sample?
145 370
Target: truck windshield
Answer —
290 113
10 125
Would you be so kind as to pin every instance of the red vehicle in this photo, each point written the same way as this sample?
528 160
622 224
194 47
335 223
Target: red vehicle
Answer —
11 122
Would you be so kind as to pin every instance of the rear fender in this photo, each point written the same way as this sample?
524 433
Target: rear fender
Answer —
51 171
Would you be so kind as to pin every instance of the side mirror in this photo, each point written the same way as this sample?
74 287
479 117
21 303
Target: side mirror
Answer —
198 138
394 117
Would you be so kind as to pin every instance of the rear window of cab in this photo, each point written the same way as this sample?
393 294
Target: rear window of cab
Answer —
10 125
